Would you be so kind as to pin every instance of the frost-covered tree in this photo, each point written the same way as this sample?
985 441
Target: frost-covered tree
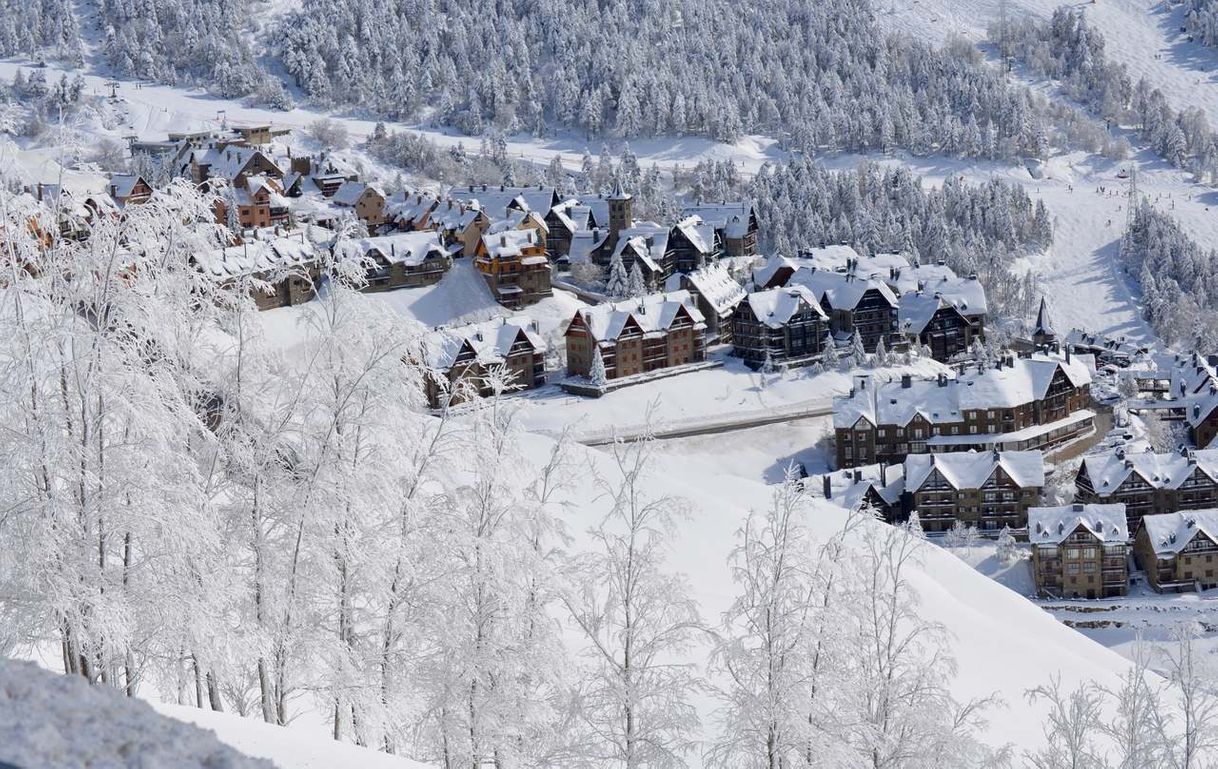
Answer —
636 285
617 284
1007 550
858 353
638 620
765 638
597 374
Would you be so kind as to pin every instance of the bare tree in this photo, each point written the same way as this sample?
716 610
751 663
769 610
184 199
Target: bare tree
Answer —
638 621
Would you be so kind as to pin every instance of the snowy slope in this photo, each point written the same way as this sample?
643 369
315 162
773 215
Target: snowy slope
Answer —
52 720
1003 643
288 747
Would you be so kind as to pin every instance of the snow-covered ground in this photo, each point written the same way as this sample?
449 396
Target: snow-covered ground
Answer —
292 747
460 297
1003 643
732 393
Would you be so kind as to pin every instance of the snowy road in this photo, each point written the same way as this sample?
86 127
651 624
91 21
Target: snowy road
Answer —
736 423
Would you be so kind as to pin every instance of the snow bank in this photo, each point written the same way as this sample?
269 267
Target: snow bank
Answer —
51 720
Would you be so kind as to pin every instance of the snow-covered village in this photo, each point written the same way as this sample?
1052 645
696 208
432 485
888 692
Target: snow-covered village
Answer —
609 384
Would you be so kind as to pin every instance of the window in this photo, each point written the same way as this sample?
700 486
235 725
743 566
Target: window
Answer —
1072 569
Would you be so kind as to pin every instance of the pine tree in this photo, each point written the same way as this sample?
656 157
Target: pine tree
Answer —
636 285
881 353
617 285
829 355
597 374
858 352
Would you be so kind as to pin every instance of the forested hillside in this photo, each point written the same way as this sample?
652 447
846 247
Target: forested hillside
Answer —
814 76
977 230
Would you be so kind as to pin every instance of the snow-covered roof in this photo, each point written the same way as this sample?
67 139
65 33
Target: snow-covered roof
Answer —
1169 533
1100 344
700 234
453 217
1051 525
408 248
966 294
245 193
653 313
349 193
917 310
227 162
584 242
844 291
258 256
1043 324
839 258
971 469
497 200
648 241
848 488
572 214
122 185
732 218
1017 382
508 243
1109 469
490 341
717 287
777 306
413 208
764 274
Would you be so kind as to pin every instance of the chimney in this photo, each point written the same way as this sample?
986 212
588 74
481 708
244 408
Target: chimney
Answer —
828 487
942 380
1067 353
858 476
906 381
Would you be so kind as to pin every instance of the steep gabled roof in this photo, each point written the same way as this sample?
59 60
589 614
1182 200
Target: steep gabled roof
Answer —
650 314
971 469
849 488
717 287
1108 470
843 291
1051 525
258 256
776 307
491 341
730 217
1170 533
408 248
